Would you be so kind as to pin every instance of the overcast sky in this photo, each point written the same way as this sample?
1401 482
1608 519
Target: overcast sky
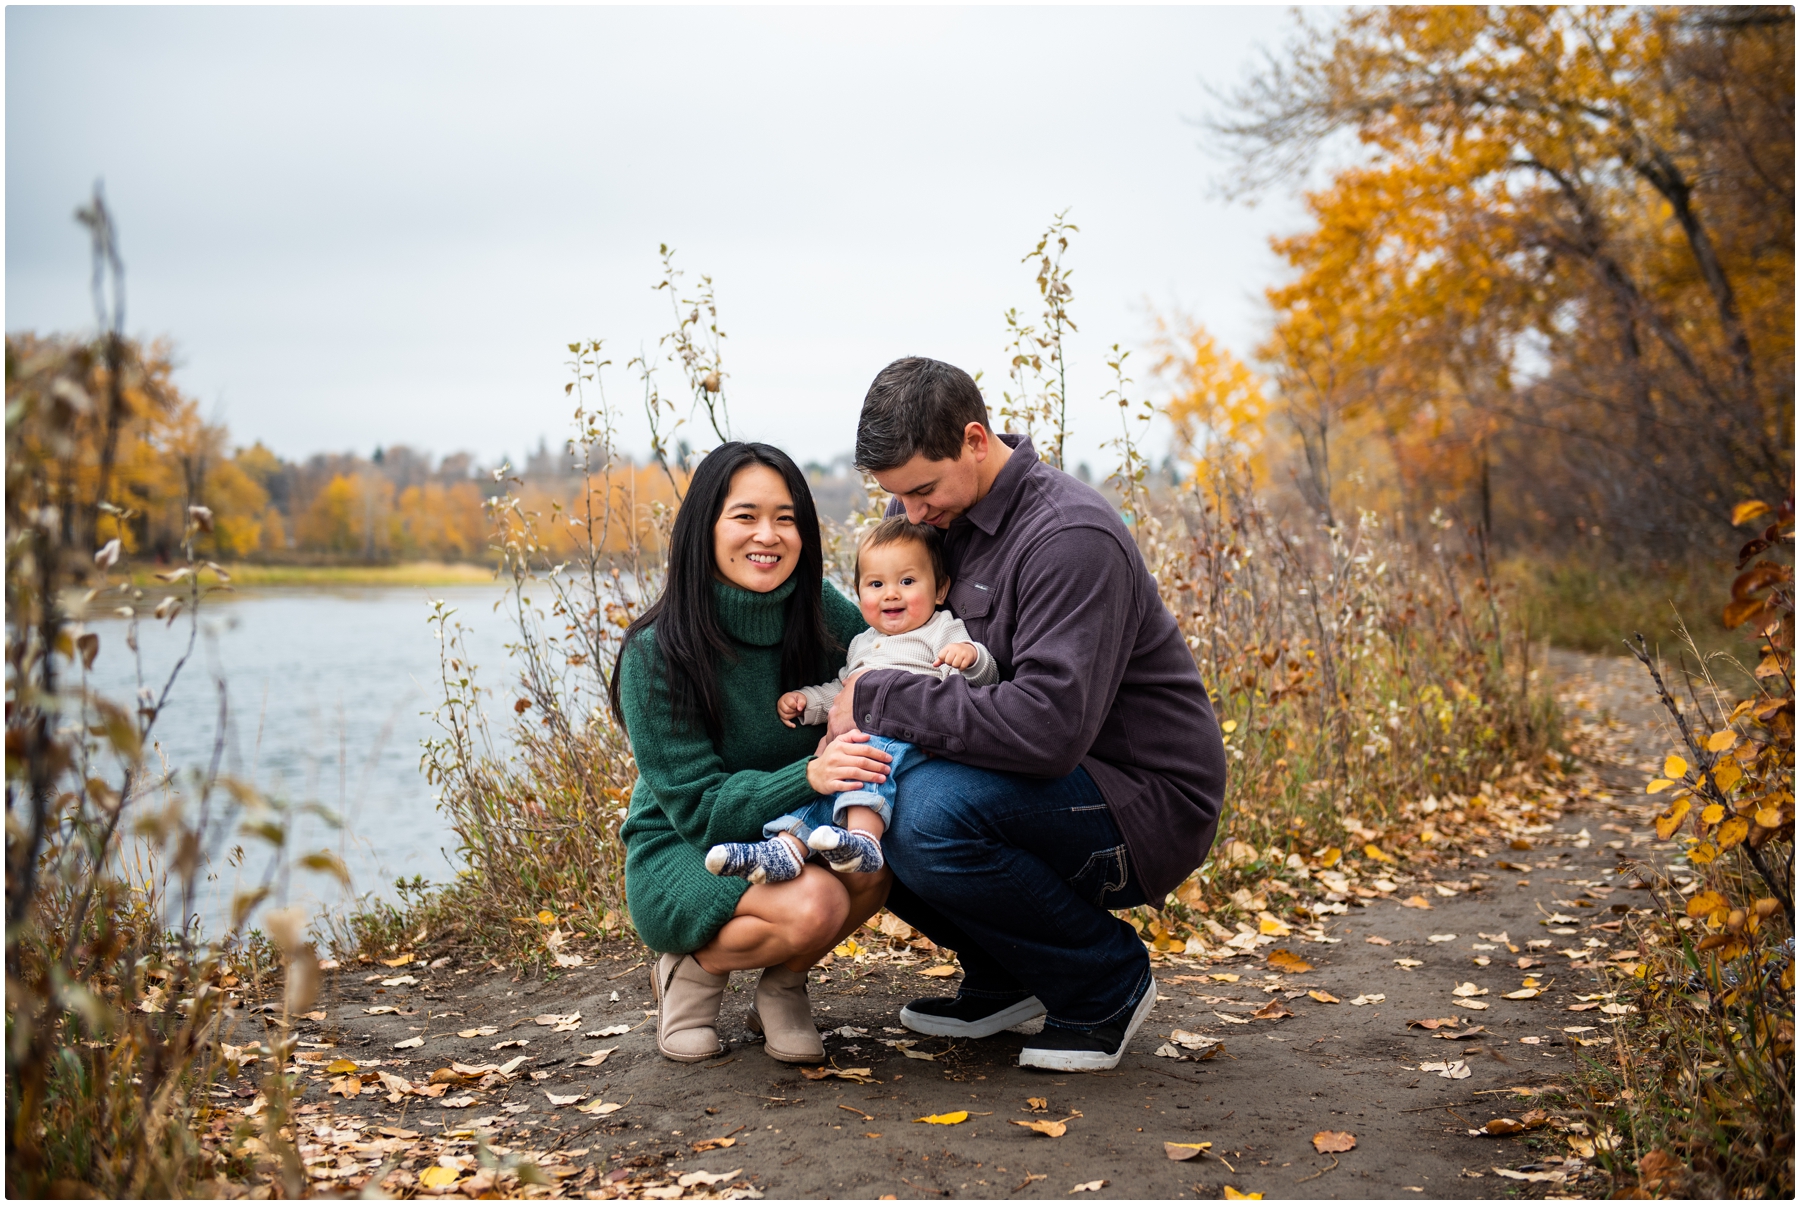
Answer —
372 226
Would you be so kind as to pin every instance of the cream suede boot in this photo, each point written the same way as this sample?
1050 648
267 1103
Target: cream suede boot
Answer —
687 1008
783 1016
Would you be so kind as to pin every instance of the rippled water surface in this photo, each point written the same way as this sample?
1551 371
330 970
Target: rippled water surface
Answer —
329 695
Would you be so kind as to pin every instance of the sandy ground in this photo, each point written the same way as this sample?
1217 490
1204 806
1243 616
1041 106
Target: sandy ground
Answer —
1330 1066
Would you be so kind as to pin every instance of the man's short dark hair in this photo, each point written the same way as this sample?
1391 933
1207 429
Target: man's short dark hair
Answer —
895 529
916 407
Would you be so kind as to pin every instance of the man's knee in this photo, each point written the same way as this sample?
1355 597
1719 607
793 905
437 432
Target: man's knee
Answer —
939 808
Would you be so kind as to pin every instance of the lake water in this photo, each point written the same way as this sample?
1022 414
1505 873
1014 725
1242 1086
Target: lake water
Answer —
330 693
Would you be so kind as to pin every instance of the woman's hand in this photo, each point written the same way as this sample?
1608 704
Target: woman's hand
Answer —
790 707
847 764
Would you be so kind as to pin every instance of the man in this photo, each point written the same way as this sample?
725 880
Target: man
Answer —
1089 778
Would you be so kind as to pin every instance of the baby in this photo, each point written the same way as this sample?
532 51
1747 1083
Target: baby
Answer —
900 583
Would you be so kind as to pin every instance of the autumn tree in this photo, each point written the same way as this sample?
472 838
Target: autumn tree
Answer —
1553 264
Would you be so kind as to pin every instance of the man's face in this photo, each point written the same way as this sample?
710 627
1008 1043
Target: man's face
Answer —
937 491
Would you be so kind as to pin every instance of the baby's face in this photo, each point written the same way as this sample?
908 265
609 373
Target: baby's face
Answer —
897 591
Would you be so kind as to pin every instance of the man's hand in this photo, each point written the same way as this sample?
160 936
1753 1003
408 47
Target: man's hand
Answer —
957 656
790 707
843 710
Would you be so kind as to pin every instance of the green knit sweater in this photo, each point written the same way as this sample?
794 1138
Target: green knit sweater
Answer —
692 794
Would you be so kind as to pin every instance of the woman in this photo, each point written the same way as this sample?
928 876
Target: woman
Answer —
745 615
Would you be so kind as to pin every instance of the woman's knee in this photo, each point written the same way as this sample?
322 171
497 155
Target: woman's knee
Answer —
817 906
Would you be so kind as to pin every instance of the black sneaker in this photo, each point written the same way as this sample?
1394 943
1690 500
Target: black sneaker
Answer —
968 1016
1099 1049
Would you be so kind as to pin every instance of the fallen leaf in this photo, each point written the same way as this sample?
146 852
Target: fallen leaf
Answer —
510 1066
1415 901
856 1075
1477 1005
1456 1070
486 1031
1618 1010
1274 1010
1270 926
514 1042
1090 1186
1442 937
1499 1125
1329 1142
1375 998
1462 1034
1181 1152
702 1176
409 1044
611 1031
596 1058
1232 1194
1286 960
1376 940
439 1177
1524 993
712 1144
1534 1177
1432 1023
341 1066
945 1119
910 1053
400 981
1324 997
396 962
940 971
1231 1020
568 960
1050 1129
347 1086
1226 977
472 1070
381 1009
559 1101
599 1108
555 1019
1467 990
456 1102
1406 964
1038 1103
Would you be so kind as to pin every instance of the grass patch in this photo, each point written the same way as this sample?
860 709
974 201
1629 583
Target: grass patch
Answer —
410 573
1595 607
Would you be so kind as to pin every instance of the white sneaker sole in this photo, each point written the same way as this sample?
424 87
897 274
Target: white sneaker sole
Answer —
1091 1060
987 1027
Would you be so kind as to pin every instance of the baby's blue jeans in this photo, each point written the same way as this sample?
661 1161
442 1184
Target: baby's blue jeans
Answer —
878 797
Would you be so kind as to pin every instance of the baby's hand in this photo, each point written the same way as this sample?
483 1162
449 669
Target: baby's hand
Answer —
957 656
790 707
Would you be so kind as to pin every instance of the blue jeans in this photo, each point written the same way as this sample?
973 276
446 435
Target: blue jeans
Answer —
1017 874
876 796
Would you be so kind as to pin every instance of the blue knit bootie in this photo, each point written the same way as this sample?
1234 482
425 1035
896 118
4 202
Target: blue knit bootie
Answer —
847 849
772 861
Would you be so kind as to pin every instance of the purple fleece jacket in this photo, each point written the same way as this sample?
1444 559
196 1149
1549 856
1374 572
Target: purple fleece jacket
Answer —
1093 670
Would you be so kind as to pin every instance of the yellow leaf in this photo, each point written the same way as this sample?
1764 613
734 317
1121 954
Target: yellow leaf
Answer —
1050 1129
849 949
1228 727
945 1119
1769 817
1702 854
1375 851
1674 766
1732 831
1232 1194
1719 742
1330 857
1657 786
546 917
1669 821
939 971
1743 512
1712 813
438 1177
1705 904
397 962
1324 997
341 1067
1271 927
1727 774
1281 959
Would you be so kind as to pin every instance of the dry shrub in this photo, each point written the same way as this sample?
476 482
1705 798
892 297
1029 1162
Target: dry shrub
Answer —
1702 1090
117 1008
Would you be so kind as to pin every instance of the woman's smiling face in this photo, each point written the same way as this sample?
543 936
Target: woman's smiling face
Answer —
756 543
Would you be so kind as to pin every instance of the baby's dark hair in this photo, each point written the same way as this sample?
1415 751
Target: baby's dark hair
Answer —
895 530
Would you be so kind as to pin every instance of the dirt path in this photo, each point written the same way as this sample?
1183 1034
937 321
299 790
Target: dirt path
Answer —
1330 1066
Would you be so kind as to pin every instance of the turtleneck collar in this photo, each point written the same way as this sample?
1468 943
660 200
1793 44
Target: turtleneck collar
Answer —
752 618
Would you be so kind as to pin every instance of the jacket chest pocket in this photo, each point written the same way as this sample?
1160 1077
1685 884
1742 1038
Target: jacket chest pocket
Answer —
971 602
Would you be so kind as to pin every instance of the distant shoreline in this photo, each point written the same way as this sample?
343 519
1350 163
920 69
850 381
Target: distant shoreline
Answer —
406 573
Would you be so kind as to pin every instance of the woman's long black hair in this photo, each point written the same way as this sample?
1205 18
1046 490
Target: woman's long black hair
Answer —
689 636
